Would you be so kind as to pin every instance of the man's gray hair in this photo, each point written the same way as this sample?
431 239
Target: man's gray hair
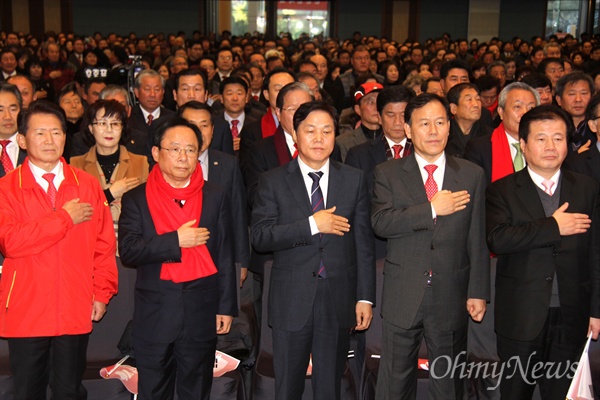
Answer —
514 86
148 72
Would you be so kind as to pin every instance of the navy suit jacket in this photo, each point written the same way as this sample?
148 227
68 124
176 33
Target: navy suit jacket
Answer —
280 224
224 170
163 307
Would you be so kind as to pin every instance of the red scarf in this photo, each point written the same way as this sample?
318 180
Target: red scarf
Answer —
502 162
267 124
168 216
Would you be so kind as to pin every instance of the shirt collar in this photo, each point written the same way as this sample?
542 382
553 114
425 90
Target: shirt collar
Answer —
538 179
155 113
241 118
440 162
305 169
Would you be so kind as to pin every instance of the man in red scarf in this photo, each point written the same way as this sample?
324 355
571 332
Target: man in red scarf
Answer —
176 230
499 154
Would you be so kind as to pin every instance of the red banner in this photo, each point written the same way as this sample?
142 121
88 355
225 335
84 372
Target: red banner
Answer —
303 5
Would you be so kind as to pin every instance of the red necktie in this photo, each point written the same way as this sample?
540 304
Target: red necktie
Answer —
296 151
150 118
51 188
4 158
430 185
397 149
234 128
255 98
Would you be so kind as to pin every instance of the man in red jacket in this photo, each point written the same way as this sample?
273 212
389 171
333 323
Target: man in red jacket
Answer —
59 272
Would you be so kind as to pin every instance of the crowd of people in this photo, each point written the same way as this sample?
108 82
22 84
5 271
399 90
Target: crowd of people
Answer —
467 171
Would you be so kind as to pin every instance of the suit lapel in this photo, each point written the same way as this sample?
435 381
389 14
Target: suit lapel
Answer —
333 187
568 189
528 195
414 180
123 164
296 186
378 151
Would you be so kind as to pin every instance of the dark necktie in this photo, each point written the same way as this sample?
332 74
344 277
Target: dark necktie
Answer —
150 119
317 203
397 150
51 188
234 128
4 158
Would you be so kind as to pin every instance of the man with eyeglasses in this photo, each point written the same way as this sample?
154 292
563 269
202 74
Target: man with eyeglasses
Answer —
175 229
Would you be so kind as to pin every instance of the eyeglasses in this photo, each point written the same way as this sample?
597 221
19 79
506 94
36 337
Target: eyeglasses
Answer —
104 125
176 151
290 109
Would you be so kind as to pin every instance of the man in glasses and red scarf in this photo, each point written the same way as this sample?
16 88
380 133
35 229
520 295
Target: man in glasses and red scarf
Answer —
177 231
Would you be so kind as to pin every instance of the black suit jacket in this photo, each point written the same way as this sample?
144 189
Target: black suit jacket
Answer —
251 134
224 171
261 158
366 157
479 151
587 163
163 307
530 250
20 160
457 142
139 128
280 224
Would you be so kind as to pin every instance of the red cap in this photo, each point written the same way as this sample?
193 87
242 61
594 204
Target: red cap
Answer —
365 89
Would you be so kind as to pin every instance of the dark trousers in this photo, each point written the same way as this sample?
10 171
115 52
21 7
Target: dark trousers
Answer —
553 348
32 359
397 378
186 361
324 339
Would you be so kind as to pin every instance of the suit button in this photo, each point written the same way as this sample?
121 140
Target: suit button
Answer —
432 247
426 273
321 249
554 254
549 278
314 274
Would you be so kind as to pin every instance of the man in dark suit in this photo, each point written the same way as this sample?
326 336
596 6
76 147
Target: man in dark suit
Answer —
274 81
222 169
437 265
391 103
234 91
149 90
542 222
190 84
176 230
11 155
465 106
499 154
313 213
267 154
588 162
